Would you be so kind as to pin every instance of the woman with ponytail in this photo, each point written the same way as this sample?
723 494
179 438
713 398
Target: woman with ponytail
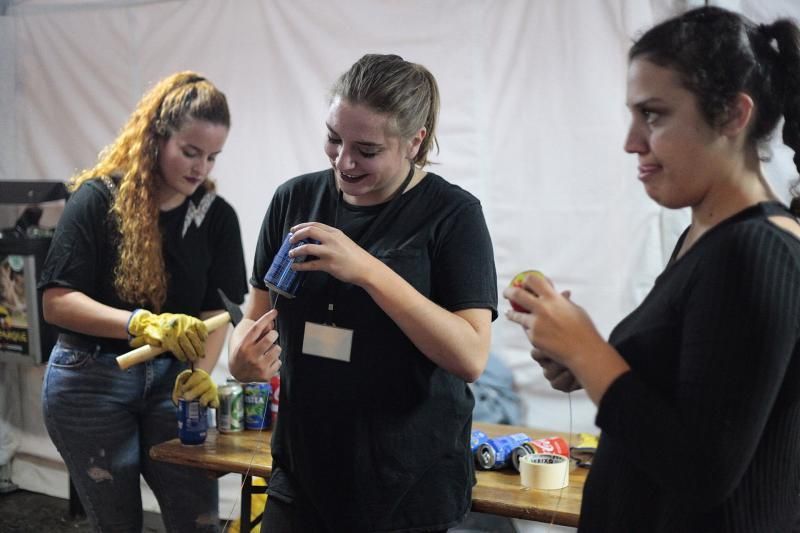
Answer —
138 255
392 322
698 389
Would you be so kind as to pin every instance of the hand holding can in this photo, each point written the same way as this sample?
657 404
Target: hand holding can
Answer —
280 277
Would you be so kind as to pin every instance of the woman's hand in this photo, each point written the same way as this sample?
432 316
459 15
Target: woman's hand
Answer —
335 254
256 357
568 346
554 324
559 376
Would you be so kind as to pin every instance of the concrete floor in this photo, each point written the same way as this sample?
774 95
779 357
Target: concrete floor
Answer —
29 512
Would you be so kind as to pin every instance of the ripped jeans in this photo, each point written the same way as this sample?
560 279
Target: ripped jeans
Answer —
103 421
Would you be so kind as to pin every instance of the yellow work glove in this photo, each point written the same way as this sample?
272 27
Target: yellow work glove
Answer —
183 335
196 384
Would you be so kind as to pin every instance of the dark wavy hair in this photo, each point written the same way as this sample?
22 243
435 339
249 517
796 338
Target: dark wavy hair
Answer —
718 54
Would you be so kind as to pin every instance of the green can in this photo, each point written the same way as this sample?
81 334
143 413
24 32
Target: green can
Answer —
256 405
230 416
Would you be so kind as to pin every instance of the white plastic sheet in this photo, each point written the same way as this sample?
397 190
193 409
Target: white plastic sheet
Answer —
532 122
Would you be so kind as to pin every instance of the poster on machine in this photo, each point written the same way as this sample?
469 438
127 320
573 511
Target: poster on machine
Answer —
14 327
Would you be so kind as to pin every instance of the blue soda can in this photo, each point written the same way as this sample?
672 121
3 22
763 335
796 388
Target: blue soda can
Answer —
478 437
495 454
280 277
192 422
256 405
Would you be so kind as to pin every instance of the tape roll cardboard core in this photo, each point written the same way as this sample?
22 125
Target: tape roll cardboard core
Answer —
544 471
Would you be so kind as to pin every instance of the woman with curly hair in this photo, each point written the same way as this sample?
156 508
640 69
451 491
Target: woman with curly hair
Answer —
137 258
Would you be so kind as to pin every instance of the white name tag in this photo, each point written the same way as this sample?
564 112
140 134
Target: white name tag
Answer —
327 341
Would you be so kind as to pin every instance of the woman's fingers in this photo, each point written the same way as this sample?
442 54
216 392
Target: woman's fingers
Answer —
539 356
321 243
522 318
261 354
565 382
266 342
559 376
262 335
523 298
310 230
526 295
261 327
297 228
539 285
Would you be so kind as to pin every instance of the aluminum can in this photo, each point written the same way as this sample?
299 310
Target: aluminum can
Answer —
280 277
519 452
549 445
230 415
477 438
495 454
192 422
256 405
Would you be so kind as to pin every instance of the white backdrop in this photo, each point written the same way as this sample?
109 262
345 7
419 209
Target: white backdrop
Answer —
532 122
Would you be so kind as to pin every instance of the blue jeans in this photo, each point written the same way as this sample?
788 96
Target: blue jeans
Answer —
103 420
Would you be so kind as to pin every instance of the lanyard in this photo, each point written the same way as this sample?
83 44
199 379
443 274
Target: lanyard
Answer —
333 283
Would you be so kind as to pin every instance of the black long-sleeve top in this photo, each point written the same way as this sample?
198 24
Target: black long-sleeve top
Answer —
703 433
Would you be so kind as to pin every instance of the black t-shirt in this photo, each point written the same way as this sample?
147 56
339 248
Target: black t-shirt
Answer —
381 442
202 252
703 433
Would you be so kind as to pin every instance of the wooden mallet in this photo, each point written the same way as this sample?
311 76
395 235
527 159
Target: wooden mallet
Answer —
232 315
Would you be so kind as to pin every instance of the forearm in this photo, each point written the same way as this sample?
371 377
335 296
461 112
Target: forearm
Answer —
75 311
214 343
456 341
597 367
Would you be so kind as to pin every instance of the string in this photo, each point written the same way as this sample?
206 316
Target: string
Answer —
569 462
389 204
247 472
274 302
258 443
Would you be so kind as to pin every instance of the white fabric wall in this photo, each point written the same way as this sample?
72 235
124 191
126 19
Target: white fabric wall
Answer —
532 122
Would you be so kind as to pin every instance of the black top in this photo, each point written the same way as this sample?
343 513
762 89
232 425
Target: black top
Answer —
381 442
202 252
703 433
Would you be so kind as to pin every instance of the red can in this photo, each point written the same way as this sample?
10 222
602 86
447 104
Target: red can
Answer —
550 445
274 397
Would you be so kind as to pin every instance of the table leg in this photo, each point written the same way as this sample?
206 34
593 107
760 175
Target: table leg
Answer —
248 489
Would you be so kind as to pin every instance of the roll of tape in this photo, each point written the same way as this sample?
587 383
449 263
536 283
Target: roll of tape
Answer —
544 471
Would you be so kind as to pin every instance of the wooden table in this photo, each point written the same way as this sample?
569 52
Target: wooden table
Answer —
497 492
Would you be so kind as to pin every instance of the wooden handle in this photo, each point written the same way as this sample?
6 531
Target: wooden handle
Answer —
147 352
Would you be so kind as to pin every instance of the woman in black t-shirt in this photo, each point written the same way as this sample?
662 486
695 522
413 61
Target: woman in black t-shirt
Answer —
139 253
392 321
698 389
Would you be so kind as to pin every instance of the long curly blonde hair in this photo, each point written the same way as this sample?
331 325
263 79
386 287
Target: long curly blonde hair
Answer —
140 276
